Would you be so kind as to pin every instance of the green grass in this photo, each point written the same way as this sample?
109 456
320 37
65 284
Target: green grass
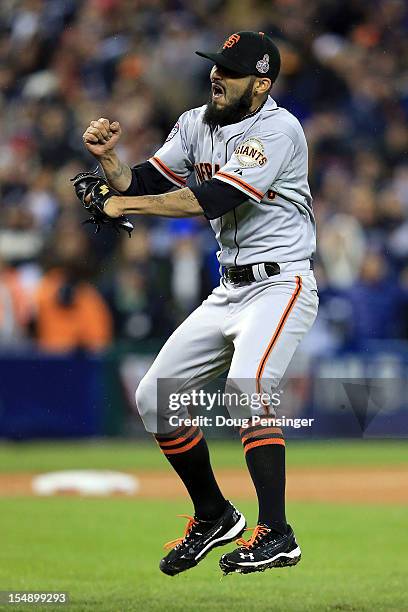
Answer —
125 455
105 554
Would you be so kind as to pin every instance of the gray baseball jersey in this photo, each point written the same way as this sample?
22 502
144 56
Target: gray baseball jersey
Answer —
265 157
252 329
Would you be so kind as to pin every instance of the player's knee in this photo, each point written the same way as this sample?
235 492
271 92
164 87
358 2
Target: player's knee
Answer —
146 403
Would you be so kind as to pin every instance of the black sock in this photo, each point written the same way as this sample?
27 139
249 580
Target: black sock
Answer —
187 451
265 456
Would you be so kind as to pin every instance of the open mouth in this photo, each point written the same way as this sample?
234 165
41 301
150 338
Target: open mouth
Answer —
217 91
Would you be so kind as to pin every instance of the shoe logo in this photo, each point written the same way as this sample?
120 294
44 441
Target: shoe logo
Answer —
212 535
248 556
263 64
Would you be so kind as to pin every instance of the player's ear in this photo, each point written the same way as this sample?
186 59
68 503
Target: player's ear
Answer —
262 86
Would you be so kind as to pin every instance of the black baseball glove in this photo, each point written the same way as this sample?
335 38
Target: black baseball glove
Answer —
99 191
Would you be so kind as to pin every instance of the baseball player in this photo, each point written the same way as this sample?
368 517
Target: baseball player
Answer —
249 157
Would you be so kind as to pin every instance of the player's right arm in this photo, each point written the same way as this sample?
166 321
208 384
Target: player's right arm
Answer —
100 139
167 169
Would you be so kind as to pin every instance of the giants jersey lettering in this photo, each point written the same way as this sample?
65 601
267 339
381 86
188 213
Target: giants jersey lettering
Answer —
265 157
205 171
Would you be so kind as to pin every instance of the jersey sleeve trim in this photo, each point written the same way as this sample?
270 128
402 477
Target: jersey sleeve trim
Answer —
165 170
240 184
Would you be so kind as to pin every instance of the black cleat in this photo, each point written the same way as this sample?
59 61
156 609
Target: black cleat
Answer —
265 549
199 538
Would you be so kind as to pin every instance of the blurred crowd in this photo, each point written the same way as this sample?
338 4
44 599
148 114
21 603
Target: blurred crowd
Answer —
66 62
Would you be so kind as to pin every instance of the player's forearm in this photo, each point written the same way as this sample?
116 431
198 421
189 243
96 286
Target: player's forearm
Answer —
181 203
118 174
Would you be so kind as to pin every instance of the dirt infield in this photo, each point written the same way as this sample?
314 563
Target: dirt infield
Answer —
369 485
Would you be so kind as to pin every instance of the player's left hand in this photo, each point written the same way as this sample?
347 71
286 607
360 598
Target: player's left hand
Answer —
96 196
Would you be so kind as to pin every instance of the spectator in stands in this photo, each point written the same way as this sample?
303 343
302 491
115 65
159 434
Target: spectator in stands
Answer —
70 313
342 249
137 289
135 61
378 300
14 306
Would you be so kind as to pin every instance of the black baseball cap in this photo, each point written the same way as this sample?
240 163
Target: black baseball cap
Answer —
248 53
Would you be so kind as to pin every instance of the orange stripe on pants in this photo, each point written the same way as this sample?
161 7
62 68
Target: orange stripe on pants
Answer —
277 332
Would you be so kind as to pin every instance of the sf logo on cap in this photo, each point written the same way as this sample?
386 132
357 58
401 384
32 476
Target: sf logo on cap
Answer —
230 42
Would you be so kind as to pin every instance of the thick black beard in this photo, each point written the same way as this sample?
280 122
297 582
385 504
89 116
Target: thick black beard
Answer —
232 113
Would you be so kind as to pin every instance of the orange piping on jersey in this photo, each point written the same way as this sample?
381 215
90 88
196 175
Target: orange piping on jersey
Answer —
277 332
241 183
179 179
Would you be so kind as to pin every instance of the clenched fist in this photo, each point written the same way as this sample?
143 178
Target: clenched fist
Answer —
101 136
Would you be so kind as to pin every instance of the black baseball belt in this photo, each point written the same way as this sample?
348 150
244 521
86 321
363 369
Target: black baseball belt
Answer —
252 273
